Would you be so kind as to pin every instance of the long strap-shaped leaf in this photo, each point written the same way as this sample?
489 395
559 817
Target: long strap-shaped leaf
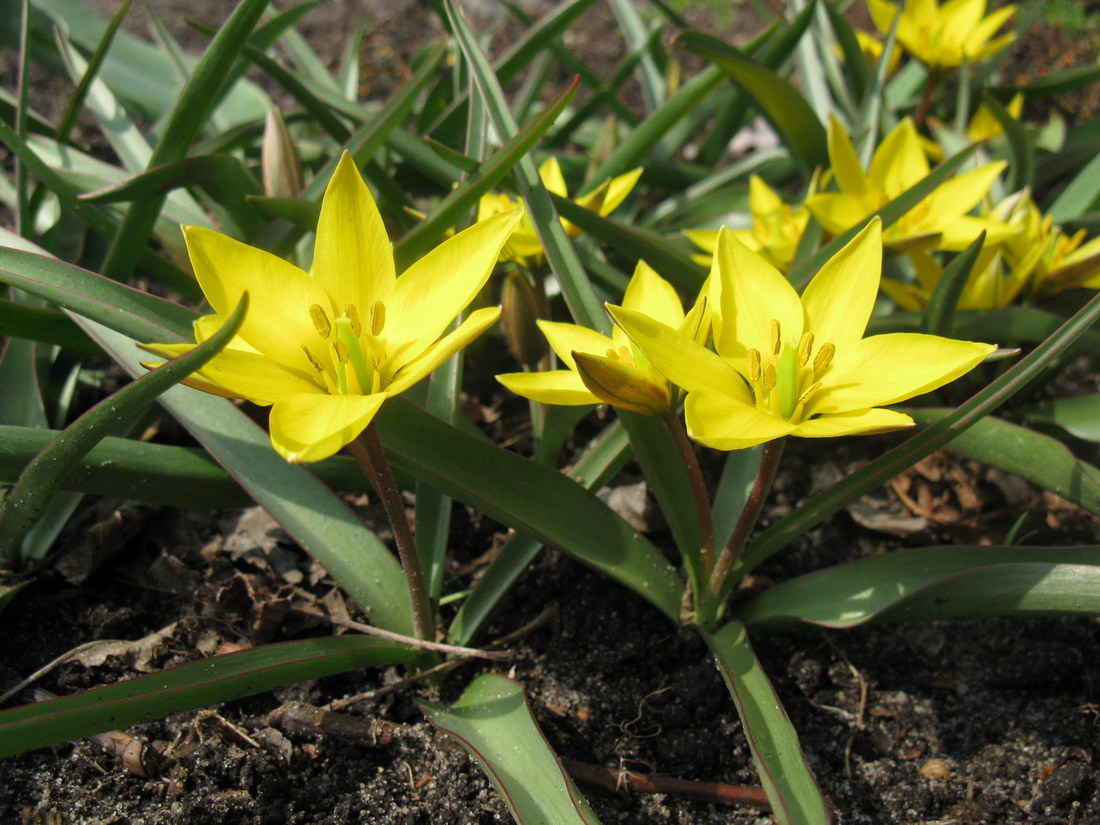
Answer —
932 583
938 435
776 752
493 722
195 685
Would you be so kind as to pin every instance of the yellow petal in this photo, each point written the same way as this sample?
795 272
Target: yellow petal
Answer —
563 387
431 292
837 212
882 13
899 162
885 369
352 256
652 295
844 162
754 293
552 178
960 232
311 427
680 359
861 422
278 321
839 300
565 338
724 423
705 239
419 368
618 189
961 193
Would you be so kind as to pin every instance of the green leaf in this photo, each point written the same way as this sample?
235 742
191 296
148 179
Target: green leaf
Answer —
1040 459
1052 85
156 474
939 315
494 724
938 435
1079 416
22 321
1081 195
222 176
933 583
529 497
780 102
776 751
1021 157
26 502
187 687
637 244
855 62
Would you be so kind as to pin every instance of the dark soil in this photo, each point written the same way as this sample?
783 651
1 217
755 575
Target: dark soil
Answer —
943 724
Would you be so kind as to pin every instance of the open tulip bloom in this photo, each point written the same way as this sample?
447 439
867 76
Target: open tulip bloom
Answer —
790 365
326 347
942 36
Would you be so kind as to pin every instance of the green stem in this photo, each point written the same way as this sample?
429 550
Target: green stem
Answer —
930 85
698 491
367 450
765 477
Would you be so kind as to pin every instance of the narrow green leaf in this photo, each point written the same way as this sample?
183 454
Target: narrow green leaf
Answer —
1079 416
1081 195
855 62
738 475
1039 458
529 497
933 583
939 315
188 687
776 751
26 501
224 177
635 34
1052 85
637 244
780 102
938 435
45 325
494 724
1021 155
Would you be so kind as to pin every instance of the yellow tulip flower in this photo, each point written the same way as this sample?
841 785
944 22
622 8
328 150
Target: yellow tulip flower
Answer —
993 283
524 247
1052 260
326 347
941 36
611 369
937 222
776 228
790 365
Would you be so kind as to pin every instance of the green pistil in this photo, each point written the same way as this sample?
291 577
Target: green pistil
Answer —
345 333
786 380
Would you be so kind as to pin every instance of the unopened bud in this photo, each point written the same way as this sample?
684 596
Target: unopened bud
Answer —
519 312
622 385
282 171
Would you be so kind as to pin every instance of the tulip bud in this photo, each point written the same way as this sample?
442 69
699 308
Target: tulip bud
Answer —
282 171
622 385
519 312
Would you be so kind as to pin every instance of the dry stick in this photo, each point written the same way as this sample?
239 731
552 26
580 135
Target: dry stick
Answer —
367 450
698 490
765 477
614 780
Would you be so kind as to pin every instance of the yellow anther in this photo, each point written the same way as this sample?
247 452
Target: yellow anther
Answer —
769 377
377 318
613 353
805 347
320 321
317 365
824 358
754 365
814 387
341 350
776 337
352 314
626 356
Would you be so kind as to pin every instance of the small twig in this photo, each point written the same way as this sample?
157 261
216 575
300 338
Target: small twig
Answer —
612 780
408 641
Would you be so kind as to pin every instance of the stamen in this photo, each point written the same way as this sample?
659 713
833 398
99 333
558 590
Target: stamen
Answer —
754 365
824 358
341 351
626 356
317 365
352 314
769 377
320 321
377 318
814 387
776 337
805 347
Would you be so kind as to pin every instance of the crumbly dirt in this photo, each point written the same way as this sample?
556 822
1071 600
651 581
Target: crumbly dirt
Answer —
954 724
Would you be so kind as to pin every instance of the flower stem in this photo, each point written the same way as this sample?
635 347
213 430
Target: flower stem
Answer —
367 450
698 491
765 477
934 76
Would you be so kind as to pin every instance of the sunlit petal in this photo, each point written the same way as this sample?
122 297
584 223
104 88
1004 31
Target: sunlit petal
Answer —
310 427
565 338
563 387
418 369
861 422
724 423
840 298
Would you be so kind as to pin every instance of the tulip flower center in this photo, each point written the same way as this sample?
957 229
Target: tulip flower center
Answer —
784 376
353 346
